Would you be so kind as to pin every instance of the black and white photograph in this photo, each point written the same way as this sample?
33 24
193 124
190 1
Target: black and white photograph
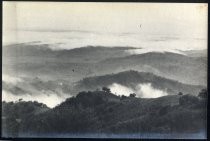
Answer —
124 70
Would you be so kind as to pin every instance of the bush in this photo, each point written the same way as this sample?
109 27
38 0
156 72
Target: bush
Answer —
123 97
203 93
188 99
180 93
133 95
105 89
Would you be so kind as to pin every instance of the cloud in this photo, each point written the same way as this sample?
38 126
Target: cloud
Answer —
51 100
144 90
160 50
147 91
120 89
10 79
50 94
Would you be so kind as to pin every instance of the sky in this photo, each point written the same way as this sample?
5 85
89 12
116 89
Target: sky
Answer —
145 19
108 17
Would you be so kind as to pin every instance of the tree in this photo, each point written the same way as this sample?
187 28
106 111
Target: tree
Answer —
132 95
203 93
105 89
20 100
180 93
123 97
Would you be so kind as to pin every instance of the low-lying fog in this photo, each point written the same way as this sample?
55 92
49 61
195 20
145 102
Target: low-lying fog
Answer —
51 98
144 90
75 39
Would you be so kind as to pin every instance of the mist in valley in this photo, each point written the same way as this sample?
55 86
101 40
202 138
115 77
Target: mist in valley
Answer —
141 90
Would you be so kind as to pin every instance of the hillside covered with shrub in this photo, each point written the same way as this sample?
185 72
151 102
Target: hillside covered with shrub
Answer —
103 113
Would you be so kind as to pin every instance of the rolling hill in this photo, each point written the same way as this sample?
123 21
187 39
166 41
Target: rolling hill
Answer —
190 70
132 78
75 64
88 54
72 65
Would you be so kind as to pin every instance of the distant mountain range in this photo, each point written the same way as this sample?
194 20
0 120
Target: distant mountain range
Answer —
75 64
196 53
88 54
41 61
185 69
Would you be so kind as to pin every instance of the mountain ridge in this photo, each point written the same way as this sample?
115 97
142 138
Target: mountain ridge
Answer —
132 78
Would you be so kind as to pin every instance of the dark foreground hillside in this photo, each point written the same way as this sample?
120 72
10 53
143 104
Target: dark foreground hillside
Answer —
103 113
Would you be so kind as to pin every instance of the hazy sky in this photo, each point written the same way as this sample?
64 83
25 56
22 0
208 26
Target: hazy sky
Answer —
161 21
109 17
